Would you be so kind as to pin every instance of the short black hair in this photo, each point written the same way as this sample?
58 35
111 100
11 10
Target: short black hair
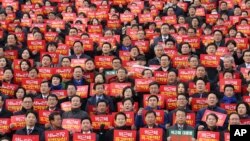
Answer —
155 96
28 96
181 110
53 95
212 114
150 112
96 84
87 118
53 114
31 112
128 99
228 85
120 113
102 101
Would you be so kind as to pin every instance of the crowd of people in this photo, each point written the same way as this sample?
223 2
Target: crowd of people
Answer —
101 67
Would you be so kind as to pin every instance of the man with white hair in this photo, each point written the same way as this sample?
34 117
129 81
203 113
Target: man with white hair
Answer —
158 50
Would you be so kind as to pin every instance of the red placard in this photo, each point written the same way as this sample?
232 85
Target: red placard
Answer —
135 70
228 107
212 61
111 40
41 26
186 75
155 134
66 106
235 82
117 88
26 22
103 62
82 91
168 90
113 24
208 136
66 72
246 99
46 73
4 125
211 18
127 17
221 117
160 102
71 124
32 84
190 119
242 43
94 28
8 89
161 77
56 24
227 136
193 41
172 20
144 18
40 104
244 29
206 39
124 55
245 121
44 116
170 52
54 55
69 41
38 45
11 54
142 45
78 62
63 49
20 36
98 120
48 9
20 75
84 137
13 105
171 102
120 135
198 103
60 93
69 16
200 12
142 85
88 44
25 137
56 135
222 28
18 121
221 51
180 60
50 36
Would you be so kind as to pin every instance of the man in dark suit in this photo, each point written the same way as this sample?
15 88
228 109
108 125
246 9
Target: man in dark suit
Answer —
4 113
78 51
165 62
218 38
180 122
27 105
31 128
44 90
78 79
158 50
246 58
92 101
55 120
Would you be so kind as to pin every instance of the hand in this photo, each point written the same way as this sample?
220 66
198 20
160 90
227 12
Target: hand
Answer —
12 125
219 68
47 125
190 100
200 127
133 127
101 70
140 111
34 52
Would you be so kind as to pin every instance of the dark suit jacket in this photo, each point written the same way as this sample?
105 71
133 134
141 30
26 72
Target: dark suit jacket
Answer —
241 66
92 102
82 56
36 131
154 61
5 113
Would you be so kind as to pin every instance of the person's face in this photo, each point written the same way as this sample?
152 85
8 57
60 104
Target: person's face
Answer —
95 22
31 119
200 72
2 17
120 120
75 102
211 50
246 57
171 78
185 49
181 20
242 110
191 32
78 73
211 121
223 6
52 102
51 48
150 119
180 89
237 12
234 119
126 41
25 54
65 62
238 35
181 101
89 65
72 32
8 10
147 74
212 100
39 19
193 62
69 10
169 44
57 122
180 117
33 73
140 35
38 36
44 89
128 93
102 107
191 11
127 106
164 30
121 74
195 23
7 75
116 64
27 103
78 49
99 89
20 93
108 33
159 51
217 37
99 79
229 92
200 86
3 63
55 81
71 90
24 66
86 125
170 12
164 61
152 102
11 40
228 76
106 48
230 47
46 62
154 89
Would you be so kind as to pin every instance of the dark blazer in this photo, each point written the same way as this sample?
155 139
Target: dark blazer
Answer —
159 39
92 102
22 111
5 113
82 56
36 131
154 61
241 66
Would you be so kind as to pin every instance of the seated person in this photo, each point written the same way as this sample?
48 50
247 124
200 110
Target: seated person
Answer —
229 95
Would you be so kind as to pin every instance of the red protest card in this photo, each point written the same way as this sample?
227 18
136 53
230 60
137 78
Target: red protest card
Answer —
198 103
167 90
193 41
228 107
172 20
50 36
161 77
40 104
82 91
180 60
18 121
186 75
84 137
66 72
46 73
208 135
212 61
44 116
222 117
211 18
117 88
154 134
62 135
71 124
171 102
98 120
25 137
60 93
4 125
142 85
78 62
11 54
66 106
235 82
124 135
32 84
8 89
103 62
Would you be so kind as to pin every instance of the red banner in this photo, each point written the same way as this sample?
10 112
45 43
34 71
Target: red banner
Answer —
186 75
221 117
103 62
18 121
235 82
44 116
228 107
11 54
171 102
211 18
208 136
71 124
13 105
4 125
66 106
117 88
40 104
98 120
120 135
142 85
8 89
32 84
38 45
84 137
25 137
168 90
82 91
46 73
180 61
193 41
198 103
57 135
212 61
155 134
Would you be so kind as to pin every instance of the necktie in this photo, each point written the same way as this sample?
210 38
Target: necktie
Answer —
180 128
29 131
